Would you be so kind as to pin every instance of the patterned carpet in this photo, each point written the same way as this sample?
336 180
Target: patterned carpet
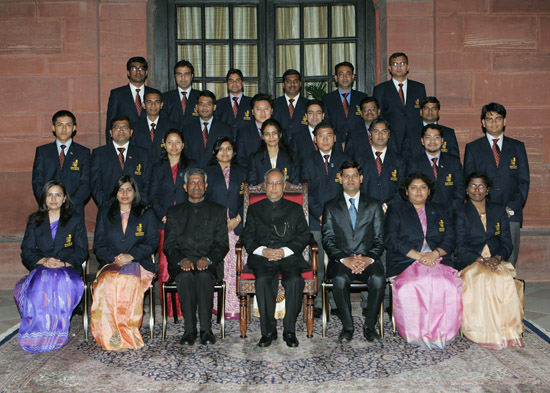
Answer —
233 364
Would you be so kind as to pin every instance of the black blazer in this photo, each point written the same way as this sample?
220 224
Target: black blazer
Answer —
403 232
403 120
334 112
339 238
142 136
282 115
449 186
471 237
106 170
121 102
209 240
224 113
248 143
302 145
70 244
194 145
232 197
450 143
172 107
385 187
510 180
358 142
322 187
75 173
141 239
259 164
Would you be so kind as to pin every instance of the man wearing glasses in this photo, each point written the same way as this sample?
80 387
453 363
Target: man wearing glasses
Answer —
359 139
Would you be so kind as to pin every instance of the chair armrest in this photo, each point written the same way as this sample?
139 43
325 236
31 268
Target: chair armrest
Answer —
314 251
239 255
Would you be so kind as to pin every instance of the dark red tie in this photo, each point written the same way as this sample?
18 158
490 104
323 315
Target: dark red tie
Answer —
326 157
235 106
379 162
496 151
291 107
62 156
138 102
205 133
401 95
434 167
152 131
345 104
121 156
184 102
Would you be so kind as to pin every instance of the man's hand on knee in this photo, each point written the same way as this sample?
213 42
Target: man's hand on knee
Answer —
186 265
203 263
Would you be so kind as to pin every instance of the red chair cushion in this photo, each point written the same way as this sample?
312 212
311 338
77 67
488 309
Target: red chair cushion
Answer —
250 276
298 198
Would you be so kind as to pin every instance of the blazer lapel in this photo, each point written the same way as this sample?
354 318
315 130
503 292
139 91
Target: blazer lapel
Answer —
345 212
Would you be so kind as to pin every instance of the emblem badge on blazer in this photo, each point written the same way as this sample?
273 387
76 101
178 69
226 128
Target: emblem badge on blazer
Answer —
138 169
247 115
139 230
393 176
304 121
285 170
242 189
444 147
441 226
417 104
68 241
337 178
497 228
449 180
195 113
513 163
357 110
74 166
162 143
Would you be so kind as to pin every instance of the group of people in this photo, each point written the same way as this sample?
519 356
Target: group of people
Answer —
386 200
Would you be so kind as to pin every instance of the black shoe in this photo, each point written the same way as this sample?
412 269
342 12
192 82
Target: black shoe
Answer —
188 339
265 341
345 336
317 312
290 339
364 312
370 334
335 312
207 338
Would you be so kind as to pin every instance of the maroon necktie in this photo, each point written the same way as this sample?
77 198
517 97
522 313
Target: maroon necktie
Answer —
496 151
434 166
401 95
152 131
235 106
291 107
205 133
345 104
121 156
138 102
62 156
379 162
326 157
184 102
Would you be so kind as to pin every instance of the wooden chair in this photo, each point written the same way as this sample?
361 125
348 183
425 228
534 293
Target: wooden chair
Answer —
245 276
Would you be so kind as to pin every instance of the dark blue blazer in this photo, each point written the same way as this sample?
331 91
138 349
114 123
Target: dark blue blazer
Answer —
141 239
302 145
194 145
403 233
163 191
75 174
259 164
248 143
385 187
172 107
322 187
224 113
70 244
358 142
471 236
121 102
403 120
232 197
334 112
510 180
142 136
282 115
106 170
449 186
450 143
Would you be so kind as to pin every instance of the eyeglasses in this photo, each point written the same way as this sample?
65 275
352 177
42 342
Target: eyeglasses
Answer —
140 68
118 128
370 109
397 64
480 187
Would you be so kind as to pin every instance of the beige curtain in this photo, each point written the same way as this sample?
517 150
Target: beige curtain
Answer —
287 56
189 23
245 57
315 59
217 23
287 22
343 21
315 22
244 23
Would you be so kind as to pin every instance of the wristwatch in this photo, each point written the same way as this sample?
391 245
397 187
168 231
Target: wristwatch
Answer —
510 211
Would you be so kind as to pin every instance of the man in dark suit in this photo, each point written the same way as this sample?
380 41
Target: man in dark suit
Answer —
321 169
303 140
117 158
149 132
201 134
429 111
445 170
353 233
290 108
63 160
275 235
359 138
180 103
234 109
399 100
504 160
126 100
195 244
249 137
342 105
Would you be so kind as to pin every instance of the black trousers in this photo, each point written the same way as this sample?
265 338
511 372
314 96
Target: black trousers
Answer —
374 276
267 285
196 288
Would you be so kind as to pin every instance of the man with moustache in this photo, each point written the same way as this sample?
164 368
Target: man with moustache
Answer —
234 109
359 138
289 109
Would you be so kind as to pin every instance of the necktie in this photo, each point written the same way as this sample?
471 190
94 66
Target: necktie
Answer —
152 131
379 162
121 156
138 102
291 107
205 133
326 157
235 106
184 102
401 95
62 156
345 104
496 151
352 212
434 166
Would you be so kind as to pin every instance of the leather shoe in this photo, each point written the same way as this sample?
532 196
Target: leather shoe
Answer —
265 341
370 334
290 339
345 336
335 312
188 339
317 312
207 338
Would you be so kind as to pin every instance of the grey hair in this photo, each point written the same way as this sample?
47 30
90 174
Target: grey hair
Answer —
271 171
195 171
